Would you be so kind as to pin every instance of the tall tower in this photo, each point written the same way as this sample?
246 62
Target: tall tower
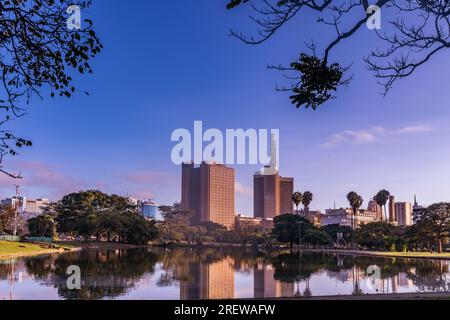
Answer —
208 192
272 169
272 193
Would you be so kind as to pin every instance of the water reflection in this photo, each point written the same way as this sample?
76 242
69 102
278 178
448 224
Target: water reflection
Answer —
215 273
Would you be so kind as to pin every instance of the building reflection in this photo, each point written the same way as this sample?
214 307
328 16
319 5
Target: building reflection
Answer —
265 285
208 281
397 283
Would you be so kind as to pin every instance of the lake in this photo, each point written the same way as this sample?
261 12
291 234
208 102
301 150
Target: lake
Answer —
215 273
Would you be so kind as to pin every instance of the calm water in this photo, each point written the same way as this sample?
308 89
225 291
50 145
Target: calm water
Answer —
215 274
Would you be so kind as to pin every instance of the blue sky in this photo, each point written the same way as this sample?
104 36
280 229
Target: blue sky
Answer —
167 64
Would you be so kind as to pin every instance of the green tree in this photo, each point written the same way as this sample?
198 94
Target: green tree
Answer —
214 230
317 237
355 201
435 219
306 201
381 198
40 55
7 214
380 236
42 226
93 213
176 216
333 229
297 199
137 230
286 228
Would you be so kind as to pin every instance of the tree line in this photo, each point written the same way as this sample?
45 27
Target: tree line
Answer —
430 231
95 215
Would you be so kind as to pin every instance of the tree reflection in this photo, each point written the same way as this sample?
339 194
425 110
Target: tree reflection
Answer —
104 274
209 273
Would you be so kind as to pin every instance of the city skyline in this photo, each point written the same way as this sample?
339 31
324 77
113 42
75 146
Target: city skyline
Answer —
118 138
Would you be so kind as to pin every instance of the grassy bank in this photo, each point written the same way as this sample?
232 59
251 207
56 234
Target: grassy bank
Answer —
20 249
98 245
390 296
419 255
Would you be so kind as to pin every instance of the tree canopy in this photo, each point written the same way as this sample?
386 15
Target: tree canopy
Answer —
39 56
94 213
417 31
287 228
435 221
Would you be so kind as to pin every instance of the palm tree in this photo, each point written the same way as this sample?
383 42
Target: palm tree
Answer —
297 198
381 199
307 199
356 202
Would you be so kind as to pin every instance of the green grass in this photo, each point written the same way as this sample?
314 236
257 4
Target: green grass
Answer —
12 249
415 254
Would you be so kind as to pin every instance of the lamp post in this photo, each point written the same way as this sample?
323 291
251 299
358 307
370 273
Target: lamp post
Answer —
299 233
300 254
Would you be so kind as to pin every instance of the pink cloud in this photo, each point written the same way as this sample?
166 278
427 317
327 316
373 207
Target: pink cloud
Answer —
41 178
151 177
243 190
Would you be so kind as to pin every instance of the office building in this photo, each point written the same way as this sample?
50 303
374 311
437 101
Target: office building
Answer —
253 224
148 209
208 192
404 213
345 217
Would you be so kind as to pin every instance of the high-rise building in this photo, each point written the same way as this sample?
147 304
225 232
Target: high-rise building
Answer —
201 281
208 192
272 194
404 212
148 209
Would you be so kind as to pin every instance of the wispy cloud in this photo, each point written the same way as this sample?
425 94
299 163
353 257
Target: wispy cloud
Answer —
151 177
415 129
243 190
372 135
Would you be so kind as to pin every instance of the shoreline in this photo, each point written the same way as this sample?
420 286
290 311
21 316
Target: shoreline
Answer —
414 255
73 246
350 252
378 296
32 249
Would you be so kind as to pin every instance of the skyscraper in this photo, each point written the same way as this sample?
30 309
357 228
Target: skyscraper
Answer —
272 193
404 213
208 191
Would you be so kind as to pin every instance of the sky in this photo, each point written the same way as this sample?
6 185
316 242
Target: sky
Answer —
167 64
